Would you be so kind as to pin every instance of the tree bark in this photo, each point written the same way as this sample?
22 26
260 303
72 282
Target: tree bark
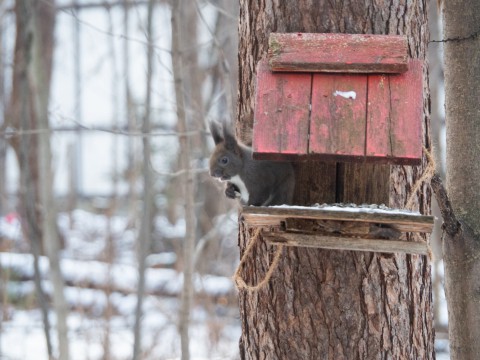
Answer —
43 23
145 233
436 79
3 104
461 244
323 304
187 178
21 114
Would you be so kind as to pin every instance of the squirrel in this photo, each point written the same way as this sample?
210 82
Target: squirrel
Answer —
254 182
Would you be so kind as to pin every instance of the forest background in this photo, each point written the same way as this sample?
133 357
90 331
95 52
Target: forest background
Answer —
95 206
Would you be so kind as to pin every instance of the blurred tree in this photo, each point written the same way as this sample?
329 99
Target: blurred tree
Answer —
324 304
461 209
436 79
187 177
201 106
28 112
3 105
144 241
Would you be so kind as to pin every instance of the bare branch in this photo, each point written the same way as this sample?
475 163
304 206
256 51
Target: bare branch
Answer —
450 222
9 132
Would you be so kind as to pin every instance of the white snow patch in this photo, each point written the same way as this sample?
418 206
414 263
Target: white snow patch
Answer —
346 94
381 209
122 277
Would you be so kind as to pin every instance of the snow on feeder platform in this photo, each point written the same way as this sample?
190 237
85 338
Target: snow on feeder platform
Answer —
361 228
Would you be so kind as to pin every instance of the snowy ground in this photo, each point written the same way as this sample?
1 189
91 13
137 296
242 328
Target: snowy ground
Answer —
22 336
100 323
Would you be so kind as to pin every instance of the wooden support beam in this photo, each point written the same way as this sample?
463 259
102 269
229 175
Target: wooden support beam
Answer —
345 243
347 53
402 221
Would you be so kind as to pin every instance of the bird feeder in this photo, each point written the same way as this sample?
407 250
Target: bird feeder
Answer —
343 98
339 97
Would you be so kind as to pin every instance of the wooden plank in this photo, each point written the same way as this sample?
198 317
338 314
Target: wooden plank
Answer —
407 114
394 117
342 228
338 119
346 243
353 53
282 111
264 216
378 142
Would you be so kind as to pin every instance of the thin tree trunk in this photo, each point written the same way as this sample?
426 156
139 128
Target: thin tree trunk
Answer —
187 179
461 244
130 114
144 239
323 304
76 165
42 45
195 116
112 207
436 79
3 104
20 115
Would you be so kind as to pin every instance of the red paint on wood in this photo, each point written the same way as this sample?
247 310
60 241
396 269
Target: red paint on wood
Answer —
385 128
378 142
338 121
395 110
281 113
352 53
407 113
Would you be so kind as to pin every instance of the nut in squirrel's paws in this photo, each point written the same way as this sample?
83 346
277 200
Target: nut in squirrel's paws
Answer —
232 191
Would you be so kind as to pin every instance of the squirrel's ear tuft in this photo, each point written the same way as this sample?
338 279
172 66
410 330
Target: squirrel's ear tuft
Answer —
216 133
230 141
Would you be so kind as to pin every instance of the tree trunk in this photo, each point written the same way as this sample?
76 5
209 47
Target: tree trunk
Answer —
323 304
3 104
145 233
43 21
187 178
436 79
21 115
462 239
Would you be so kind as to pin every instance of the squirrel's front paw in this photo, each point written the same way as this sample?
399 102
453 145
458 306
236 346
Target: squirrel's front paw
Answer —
231 191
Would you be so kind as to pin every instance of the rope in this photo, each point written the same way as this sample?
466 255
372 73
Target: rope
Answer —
238 279
426 176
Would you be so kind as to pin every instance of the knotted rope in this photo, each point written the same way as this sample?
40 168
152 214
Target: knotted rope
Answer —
237 277
426 176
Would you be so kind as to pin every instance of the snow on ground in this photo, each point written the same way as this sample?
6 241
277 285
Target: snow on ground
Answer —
215 327
122 277
22 337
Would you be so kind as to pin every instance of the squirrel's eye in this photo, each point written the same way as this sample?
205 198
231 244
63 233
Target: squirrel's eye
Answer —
224 160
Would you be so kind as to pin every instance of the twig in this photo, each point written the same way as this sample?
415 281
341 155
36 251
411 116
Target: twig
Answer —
458 38
9 132
450 222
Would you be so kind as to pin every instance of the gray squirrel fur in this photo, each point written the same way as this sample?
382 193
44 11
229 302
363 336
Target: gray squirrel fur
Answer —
255 182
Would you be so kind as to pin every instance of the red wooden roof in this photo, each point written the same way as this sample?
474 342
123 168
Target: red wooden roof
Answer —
353 53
